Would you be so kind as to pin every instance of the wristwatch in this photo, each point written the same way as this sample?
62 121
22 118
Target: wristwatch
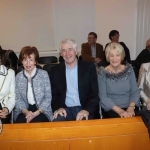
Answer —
132 107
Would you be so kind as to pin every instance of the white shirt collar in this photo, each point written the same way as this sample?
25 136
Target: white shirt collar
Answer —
32 73
93 45
74 64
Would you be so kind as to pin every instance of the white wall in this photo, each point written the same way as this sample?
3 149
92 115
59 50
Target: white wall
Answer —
44 23
73 19
76 19
26 22
143 24
117 15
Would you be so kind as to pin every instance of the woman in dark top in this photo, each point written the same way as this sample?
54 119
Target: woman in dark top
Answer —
144 56
114 37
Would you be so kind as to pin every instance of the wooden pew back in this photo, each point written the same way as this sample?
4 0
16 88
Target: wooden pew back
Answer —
102 134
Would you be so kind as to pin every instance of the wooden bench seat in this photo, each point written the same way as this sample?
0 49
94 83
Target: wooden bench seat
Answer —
102 134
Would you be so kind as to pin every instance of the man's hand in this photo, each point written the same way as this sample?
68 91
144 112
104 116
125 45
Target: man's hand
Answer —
97 60
81 114
60 111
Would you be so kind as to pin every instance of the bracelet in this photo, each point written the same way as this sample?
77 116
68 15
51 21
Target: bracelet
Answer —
24 112
132 107
39 111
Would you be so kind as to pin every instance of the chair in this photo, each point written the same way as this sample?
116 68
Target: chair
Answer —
48 59
48 67
19 63
21 68
100 112
61 59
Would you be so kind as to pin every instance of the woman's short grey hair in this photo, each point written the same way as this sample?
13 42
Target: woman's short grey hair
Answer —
68 41
114 46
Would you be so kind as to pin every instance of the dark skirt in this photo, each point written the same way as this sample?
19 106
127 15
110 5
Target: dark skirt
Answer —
6 120
40 118
112 114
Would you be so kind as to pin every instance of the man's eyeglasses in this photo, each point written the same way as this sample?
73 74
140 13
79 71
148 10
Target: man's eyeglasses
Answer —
91 38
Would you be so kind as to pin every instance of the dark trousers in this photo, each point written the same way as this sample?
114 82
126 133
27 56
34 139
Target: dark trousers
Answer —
40 118
5 120
112 114
71 114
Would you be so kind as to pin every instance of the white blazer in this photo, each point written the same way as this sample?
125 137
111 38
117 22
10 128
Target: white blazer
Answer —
144 82
7 88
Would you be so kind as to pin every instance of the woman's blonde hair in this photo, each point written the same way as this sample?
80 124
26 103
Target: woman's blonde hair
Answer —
114 46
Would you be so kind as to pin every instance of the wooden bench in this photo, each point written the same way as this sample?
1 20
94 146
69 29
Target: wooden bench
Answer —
105 134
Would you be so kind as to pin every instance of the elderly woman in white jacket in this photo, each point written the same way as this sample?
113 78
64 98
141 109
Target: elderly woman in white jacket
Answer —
7 91
144 84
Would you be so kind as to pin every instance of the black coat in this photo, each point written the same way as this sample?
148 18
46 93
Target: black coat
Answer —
143 57
87 86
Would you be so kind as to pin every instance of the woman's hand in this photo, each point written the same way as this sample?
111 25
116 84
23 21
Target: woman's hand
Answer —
3 113
130 109
130 112
122 113
31 115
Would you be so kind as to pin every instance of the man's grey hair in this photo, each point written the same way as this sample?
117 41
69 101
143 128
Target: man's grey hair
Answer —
68 41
